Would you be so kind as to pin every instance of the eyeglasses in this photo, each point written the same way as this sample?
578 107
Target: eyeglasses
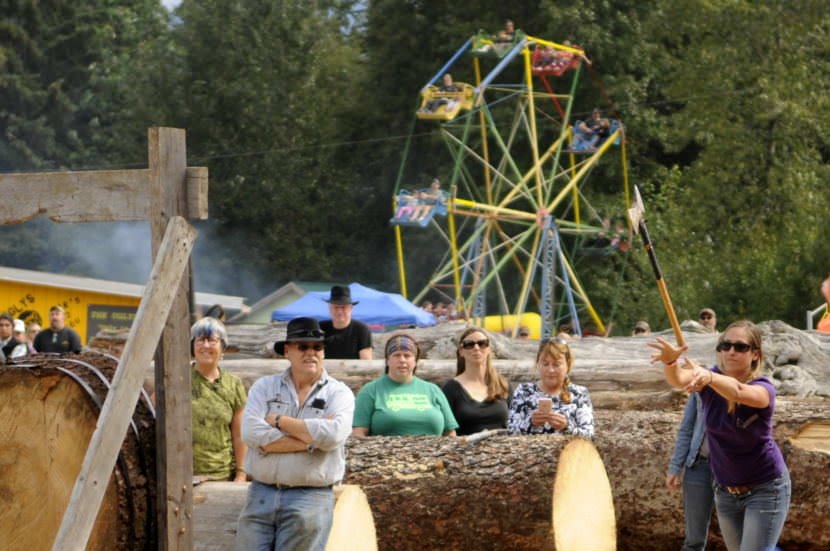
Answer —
207 341
317 346
469 345
725 346
706 316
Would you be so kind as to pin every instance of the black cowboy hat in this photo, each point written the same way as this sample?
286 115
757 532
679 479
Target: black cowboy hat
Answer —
300 330
340 294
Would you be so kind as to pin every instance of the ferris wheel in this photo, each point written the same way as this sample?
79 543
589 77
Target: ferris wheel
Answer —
516 189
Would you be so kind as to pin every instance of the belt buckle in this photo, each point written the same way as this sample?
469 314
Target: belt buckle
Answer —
738 490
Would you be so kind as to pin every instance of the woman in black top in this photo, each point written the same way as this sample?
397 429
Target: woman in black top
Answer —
478 395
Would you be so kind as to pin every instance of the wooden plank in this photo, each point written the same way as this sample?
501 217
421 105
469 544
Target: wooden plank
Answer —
197 192
108 195
174 441
116 413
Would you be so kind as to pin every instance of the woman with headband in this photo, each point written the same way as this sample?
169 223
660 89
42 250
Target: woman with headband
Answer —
399 403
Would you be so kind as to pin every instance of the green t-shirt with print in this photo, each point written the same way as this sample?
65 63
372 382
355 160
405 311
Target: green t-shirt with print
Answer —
213 406
388 408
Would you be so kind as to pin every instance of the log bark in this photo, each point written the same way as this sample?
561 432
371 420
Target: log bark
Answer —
49 409
216 507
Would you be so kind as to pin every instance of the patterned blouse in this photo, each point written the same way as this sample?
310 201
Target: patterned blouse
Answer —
579 412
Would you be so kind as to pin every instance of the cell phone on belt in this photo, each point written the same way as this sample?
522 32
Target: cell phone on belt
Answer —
545 405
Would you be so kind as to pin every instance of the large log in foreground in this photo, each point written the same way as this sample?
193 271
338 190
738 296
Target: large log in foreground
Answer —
49 408
440 493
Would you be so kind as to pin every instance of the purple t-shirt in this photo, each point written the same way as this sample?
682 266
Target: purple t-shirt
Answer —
742 451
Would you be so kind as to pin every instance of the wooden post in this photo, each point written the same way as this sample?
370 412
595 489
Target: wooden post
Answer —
170 264
174 442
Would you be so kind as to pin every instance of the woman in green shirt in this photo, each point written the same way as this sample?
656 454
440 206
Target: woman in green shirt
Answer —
218 403
399 403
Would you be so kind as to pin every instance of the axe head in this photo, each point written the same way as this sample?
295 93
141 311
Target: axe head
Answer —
637 210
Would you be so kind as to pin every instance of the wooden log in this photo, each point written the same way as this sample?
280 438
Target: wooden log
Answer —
116 412
583 509
49 408
216 507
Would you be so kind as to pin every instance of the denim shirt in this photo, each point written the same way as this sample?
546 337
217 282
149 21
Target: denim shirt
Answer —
327 413
689 436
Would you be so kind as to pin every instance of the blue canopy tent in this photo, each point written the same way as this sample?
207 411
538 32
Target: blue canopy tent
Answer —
374 308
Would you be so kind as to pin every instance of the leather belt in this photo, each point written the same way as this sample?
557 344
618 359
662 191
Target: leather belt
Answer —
287 487
737 490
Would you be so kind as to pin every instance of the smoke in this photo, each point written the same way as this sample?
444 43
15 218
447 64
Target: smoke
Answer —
120 251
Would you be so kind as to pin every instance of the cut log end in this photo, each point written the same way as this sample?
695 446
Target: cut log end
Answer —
583 508
813 436
353 528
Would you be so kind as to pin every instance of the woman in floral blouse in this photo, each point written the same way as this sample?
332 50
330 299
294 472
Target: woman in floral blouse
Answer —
570 409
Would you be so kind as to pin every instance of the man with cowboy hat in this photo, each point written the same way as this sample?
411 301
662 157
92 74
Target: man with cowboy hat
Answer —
296 425
346 339
708 319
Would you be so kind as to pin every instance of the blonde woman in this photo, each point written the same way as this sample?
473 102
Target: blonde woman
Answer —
478 395
552 404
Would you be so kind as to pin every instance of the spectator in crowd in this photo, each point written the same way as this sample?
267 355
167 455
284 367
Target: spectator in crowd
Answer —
565 331
552 404
524 332
440 312
346 338
426 306
824 322
296 425
641 328
217 312
217 405
399 403
752 483
58 338
690 463
10 347
32 329
478 395
708 320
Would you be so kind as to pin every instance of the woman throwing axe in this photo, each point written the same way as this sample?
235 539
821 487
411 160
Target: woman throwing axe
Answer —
752 484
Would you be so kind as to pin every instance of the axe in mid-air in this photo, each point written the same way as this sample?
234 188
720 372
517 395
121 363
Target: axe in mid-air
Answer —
638 222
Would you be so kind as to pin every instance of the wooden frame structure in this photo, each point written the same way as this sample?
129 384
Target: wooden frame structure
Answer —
166 194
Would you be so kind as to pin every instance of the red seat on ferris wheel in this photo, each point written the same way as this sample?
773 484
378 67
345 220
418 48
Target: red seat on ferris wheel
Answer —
553 62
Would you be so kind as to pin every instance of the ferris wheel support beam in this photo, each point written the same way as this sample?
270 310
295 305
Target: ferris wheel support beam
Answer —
566 126
582 171
530 173
531 110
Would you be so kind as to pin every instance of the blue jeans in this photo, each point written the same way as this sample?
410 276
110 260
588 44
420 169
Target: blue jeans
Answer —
296 519
753 521
698 501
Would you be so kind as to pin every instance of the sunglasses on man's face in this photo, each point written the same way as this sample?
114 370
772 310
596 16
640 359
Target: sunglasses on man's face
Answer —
317 346
706 316
725 346
469 345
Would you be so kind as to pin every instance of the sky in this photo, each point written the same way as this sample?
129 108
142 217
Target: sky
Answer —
171 4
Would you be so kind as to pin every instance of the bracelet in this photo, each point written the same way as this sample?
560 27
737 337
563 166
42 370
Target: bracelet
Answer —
711 377
671 363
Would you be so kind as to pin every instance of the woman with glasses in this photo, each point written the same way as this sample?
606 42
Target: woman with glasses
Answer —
399 403
478 395
218 402
752 483
552 404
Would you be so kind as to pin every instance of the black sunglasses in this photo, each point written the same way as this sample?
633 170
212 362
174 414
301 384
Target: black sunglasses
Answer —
724 346
469 345
317 346
706 316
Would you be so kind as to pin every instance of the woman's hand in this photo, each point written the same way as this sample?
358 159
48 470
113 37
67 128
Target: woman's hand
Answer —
673 482
555 420
700 377
666 351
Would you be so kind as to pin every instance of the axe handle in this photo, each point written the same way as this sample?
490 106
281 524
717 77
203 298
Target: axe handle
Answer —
661 284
